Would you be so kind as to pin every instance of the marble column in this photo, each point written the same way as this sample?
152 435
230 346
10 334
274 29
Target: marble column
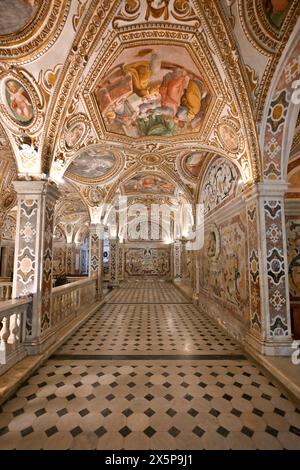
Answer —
121 262
195 277
70 259
33 257
113 271
269 322
177 260
4 261
96 256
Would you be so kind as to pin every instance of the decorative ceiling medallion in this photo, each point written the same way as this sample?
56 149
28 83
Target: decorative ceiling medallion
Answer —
145 94
17 15
275 11
17 101
76 130
151 159
229 136
30 27
94 164
92 195
192 163
22 101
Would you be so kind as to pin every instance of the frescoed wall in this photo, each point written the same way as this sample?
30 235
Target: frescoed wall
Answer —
223 260
293 247
147 262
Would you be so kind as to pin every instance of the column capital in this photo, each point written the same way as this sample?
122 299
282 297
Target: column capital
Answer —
96 228
36 188
273 189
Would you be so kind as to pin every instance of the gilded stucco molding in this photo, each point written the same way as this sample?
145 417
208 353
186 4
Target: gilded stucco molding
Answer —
91 28
224 44
267 40
39 35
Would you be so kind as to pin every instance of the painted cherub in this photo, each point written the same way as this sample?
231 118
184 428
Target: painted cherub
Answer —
18 101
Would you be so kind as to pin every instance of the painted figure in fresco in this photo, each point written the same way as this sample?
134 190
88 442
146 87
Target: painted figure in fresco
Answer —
74 134
212 245
89 164
191 99
141 73
150 97
194 162
157 9
229 137
276 10
117 86
172 88
149 183
18 100
157 124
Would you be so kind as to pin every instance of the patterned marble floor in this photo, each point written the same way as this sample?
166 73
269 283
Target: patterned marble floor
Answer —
149 318
153 392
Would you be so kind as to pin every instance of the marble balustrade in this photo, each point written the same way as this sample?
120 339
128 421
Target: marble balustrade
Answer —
13 315
67 303
69 300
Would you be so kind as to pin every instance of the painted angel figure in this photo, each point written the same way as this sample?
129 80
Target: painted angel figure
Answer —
18 101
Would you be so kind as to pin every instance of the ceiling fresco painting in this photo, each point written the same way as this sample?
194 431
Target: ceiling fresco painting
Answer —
155 91
276 11
229 137
193 163
91 163
150 184
17 101
16 14
74 134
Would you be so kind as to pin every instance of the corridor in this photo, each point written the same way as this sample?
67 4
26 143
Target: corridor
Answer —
149 371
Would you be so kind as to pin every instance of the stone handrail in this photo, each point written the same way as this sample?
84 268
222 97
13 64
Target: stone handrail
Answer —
67 303
12 331
5 290
69 300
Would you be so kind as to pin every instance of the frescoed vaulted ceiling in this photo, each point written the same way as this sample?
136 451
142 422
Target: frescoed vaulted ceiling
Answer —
135 96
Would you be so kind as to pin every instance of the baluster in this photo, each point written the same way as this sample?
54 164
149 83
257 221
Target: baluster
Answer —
4 334
13 326
19 317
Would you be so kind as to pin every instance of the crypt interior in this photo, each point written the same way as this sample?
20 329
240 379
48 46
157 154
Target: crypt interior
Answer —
119 330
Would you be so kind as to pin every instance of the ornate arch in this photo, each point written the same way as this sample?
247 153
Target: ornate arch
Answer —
281 114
